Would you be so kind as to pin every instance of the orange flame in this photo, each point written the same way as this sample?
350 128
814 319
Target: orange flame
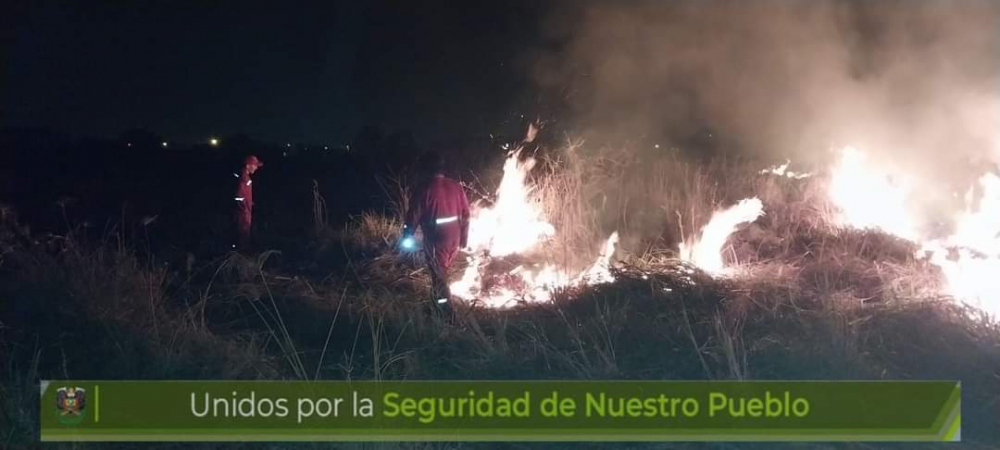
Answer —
871 198
969 258
516 224
706 250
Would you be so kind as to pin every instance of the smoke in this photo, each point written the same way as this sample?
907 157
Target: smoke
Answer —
911 81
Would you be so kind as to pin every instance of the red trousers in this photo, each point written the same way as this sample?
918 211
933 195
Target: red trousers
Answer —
440 248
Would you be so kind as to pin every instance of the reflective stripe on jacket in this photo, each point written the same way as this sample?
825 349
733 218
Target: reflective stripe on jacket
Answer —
442 202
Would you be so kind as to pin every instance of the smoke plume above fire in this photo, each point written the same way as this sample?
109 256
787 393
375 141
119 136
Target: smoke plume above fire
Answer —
898 102
904 80
895 103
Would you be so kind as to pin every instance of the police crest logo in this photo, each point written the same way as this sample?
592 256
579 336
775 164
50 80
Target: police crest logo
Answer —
71 403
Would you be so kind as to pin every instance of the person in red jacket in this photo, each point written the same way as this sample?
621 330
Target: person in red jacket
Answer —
244 201
441 209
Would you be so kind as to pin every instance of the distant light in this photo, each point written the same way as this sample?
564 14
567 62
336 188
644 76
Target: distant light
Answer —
129 144
164 144
326 148
288 145
656 146
284 153
213 142
408 243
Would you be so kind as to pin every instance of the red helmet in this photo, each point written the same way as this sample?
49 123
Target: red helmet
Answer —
252 160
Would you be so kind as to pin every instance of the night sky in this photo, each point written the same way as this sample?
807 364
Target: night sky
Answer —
191 69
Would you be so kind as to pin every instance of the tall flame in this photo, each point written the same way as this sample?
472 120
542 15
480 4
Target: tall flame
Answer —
705 251
516 224
870 198
969 258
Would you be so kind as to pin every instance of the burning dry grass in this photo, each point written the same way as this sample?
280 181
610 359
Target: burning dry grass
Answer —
805 301
796 240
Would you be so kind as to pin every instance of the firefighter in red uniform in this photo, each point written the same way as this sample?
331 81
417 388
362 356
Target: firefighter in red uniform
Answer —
441 209
244 201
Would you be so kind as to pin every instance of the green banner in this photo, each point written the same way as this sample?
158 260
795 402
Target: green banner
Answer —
79 410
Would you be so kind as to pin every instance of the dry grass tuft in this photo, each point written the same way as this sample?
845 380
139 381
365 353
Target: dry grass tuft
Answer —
807 301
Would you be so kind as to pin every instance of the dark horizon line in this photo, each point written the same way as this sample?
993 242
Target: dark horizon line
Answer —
67 137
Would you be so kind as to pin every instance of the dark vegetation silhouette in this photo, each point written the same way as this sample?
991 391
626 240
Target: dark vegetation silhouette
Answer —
114 264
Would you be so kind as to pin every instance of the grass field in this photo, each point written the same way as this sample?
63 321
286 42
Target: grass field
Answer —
807 301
